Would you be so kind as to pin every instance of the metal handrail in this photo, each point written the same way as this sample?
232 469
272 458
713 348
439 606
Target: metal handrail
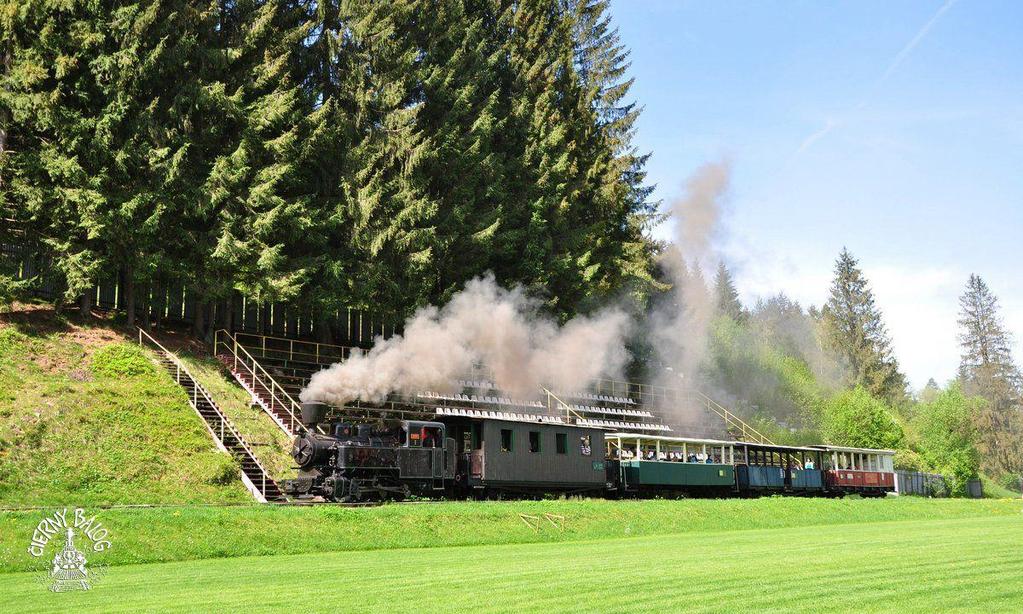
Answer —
569 412
285 400
197 388
732 419
345 351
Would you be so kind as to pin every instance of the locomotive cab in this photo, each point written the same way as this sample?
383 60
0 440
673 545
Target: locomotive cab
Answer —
418 434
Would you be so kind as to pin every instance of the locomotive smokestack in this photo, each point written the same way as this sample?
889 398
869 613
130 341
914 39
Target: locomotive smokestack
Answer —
313 412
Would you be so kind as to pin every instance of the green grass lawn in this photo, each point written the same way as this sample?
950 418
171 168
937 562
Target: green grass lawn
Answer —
910 566
187 533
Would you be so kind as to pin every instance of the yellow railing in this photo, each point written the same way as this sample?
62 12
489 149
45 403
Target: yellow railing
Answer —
279 397
569 412
748 432
649 395
224 424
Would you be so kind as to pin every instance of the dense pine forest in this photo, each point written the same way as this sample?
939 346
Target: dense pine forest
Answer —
351 154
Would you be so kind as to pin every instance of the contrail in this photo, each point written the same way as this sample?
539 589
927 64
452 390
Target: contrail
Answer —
816 136
892 67
900 56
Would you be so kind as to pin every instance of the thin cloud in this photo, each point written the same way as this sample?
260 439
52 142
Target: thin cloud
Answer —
897 61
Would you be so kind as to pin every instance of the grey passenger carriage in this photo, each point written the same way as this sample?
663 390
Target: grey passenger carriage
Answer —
509 455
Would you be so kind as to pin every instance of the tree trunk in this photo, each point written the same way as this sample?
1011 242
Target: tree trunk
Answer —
199 319
129 296
85 305
324 333
211 318
147 308
229 313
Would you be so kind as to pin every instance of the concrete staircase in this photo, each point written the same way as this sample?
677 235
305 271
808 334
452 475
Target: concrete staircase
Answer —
254 475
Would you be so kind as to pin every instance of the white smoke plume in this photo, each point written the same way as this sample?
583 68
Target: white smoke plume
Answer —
680 326
483 326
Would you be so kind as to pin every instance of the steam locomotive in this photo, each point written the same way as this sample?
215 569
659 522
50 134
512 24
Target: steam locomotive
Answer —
488 455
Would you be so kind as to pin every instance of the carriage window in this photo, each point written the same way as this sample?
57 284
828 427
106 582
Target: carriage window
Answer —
584 445
534 441
506 440
561 442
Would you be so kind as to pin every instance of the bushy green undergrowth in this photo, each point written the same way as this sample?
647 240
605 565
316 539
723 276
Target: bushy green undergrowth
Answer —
185 533
995 490
87 419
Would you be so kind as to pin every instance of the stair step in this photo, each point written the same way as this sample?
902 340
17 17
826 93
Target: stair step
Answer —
210 413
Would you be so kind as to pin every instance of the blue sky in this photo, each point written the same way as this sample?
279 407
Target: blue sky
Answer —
892 128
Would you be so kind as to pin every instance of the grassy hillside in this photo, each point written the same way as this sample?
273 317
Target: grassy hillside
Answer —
175 534
87 419
919 566
269 443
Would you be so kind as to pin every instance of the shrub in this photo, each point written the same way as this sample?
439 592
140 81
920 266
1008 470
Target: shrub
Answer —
120 360
12 289
857 418
1011 481
948 437
223 471
908 460
11 341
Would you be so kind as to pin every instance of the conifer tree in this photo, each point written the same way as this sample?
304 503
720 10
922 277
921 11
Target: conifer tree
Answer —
53 166
726 296
854 328
347 153
262 218
466 168
930 391
987 370
616 245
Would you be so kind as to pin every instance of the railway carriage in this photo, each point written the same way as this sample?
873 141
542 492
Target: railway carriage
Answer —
863 471
523 454
655 465
770 469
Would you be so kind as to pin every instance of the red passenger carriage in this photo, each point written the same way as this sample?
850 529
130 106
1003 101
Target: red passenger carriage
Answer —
870 473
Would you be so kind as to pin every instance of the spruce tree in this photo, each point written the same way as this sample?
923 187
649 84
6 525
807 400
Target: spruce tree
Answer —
987 370
986 367
726 296
930 391
616 248
53 86
854 327
261 216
